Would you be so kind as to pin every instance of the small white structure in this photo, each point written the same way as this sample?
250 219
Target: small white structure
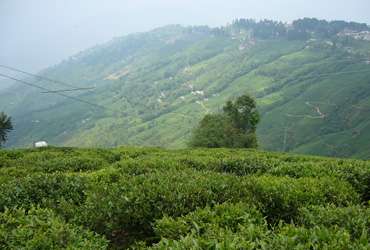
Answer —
40 144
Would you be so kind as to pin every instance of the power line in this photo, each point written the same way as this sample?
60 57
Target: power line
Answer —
334 73
314 76
65 90
38 76
354 60
48 90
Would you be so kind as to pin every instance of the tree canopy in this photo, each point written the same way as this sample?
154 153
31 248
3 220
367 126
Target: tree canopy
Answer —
300 29
5 127
235 127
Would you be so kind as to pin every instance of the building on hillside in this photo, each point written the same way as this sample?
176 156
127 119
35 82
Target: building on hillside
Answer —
40 144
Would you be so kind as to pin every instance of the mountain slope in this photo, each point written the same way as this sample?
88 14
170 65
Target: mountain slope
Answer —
311 81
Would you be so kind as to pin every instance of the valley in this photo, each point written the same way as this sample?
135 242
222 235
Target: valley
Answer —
311 84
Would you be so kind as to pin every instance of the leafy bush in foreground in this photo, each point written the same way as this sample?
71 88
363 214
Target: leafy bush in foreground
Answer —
355 219
131 203
243 163
73 164
288 237
229 216
171 199
291 237
42 229
47 190
281 197
239 226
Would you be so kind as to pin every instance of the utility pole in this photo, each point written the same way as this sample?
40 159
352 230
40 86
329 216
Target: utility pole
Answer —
285 138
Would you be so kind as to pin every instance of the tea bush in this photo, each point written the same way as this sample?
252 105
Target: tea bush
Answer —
239 226
48 190
42 229
228 216
355 219
288 237
73 164
292 237
247 162
133 203
181 199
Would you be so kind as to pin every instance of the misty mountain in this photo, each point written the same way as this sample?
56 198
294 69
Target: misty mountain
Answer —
310 78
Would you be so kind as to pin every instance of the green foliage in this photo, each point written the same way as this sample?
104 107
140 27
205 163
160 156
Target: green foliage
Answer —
239 226
281 198
226 226
355 219
158 85
288 237
234 128
5 127
291 237
213 131
181 199
74 164
228 216
243 163
58 191
131 204
243 113
42 229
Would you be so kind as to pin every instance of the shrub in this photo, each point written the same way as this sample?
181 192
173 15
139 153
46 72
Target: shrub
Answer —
47 190
281 197
355 219
248 162
291 237
131 194
42 229
51 156
285 237
73 164
228 216
131 203
357 173
215 238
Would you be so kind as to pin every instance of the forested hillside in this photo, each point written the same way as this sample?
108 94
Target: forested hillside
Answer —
310 78
149 198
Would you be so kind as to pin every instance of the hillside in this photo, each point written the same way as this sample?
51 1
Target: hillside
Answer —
311 81
149 198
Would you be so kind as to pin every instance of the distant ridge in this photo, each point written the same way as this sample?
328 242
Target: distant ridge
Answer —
310 78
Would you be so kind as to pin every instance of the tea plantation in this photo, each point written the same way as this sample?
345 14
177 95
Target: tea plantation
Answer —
148 198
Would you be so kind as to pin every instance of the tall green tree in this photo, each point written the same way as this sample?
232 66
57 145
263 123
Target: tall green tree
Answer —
235 127
5 127
243 113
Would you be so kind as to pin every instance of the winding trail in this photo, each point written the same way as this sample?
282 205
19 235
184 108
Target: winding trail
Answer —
317 110
204 107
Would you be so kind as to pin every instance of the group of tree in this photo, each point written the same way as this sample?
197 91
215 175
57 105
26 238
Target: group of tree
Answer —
5 127
264 29
300 29
234 127
325 29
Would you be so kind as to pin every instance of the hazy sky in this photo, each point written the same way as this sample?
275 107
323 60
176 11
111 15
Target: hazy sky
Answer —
38 33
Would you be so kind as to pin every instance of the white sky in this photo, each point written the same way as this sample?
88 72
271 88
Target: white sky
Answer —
39 33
